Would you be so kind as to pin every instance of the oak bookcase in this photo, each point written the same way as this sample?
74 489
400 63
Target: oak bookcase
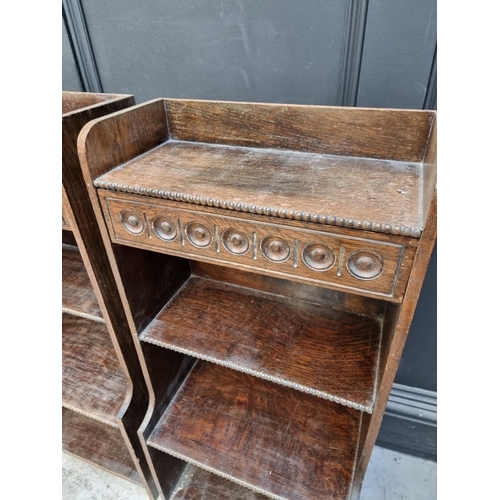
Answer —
268 259
99 387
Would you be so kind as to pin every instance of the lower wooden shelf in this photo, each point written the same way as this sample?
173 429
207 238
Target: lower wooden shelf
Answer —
78 296
196 483
274 337
92 381
97 443
277 441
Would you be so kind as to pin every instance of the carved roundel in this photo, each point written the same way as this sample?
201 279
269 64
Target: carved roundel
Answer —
164 228
132 222
318 257
198 234
365 264
275 248
235 241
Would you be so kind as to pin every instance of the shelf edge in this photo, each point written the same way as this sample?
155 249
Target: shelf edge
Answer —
264 376
215 471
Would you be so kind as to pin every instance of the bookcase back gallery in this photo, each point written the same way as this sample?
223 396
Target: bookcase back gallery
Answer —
269 259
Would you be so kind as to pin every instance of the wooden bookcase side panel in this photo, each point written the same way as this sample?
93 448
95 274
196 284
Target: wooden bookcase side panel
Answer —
89 241
429 167
141 272
403 315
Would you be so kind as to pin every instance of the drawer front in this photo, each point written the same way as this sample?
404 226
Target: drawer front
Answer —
370 267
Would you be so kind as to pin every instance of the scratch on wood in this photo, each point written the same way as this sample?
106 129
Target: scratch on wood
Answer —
180 231
216 231
147 224
341 260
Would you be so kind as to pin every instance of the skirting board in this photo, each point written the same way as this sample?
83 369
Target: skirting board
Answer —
410 422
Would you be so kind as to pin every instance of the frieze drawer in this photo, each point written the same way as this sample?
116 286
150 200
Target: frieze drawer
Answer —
371 267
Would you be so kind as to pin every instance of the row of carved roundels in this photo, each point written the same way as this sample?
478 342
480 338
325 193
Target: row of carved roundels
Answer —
362 264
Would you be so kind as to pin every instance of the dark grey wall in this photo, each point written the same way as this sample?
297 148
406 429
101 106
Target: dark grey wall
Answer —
70 78
293 51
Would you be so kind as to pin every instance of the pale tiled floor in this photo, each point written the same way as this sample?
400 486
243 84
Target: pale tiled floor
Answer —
390 476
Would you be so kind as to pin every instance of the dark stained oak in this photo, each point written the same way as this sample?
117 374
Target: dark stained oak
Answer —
97 443
76 101
78 296
282 442
92 380
280 181
198 484
249 244
275 338
249 208
372 133
127 411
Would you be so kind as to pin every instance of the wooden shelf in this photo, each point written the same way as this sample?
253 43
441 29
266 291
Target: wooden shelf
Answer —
279 181
196 483
275 440
98 444
92 381
332 354
78 296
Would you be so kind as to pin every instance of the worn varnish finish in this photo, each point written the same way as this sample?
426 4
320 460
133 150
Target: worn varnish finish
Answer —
371 133
97 443
131 401
191 182
78 296
92 380
325 297
275 338
248 244
198 484
66 212
279 182
280 441
398 335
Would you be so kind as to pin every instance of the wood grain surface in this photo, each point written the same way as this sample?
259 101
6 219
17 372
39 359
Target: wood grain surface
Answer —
304 186
92 380
97 443
257 239
75 101
78 296
134 402
373 133
282 442
198 484
274 337
325 297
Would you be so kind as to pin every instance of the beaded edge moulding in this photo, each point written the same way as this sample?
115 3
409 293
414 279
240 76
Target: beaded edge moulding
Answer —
262 210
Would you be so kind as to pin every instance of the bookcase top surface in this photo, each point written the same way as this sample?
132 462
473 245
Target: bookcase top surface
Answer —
364 193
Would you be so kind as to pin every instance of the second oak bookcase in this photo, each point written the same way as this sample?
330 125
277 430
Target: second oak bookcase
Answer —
102 400
269 259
